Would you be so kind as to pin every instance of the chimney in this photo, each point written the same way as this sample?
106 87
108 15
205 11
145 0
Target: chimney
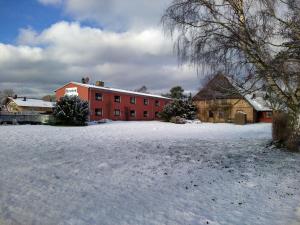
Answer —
99 83
253 96
24 99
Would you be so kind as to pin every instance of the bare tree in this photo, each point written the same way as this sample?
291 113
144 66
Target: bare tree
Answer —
142 89
5 94
256 41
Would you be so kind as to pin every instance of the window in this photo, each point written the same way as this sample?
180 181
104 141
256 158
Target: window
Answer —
210 114
98 96
146 101
269 114
132 113
145 113
157 103
117 112
117 98
156 114
98 112
132 100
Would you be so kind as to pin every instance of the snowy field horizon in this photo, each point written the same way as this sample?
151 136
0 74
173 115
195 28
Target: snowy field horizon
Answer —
152 173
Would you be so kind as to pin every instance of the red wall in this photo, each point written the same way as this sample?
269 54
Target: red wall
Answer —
108 105
262 117
82 91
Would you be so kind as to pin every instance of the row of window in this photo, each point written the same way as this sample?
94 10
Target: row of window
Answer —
222 114
117 112
117 98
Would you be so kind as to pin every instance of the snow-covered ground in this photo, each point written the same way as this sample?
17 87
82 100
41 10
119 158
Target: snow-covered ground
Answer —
152 173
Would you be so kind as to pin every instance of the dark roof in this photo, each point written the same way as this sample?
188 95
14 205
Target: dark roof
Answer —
218 88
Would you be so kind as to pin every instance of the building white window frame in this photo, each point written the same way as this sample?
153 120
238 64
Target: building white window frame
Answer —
146 101
133 102
117 114
157 103
98 99
134 113
115 98
100 111
146 115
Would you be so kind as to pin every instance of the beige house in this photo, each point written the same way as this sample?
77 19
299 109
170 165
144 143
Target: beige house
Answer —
220 101
18 105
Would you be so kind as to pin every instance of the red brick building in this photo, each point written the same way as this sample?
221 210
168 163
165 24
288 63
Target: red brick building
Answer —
115 104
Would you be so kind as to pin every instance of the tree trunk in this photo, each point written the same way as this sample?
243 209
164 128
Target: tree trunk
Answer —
293 142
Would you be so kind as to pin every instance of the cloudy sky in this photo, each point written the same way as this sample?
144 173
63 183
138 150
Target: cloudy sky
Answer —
46 43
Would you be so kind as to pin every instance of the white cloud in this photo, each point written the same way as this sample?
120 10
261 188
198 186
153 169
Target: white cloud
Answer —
115 14
67 51
50 2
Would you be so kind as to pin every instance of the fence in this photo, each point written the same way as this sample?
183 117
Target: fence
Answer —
25 118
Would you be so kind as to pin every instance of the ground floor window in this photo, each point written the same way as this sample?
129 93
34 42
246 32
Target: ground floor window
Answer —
146 114
210 114
98 112
132 113
269 114
117 112
156 114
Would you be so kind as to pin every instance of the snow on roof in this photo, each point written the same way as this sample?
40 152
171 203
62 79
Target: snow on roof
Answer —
118 90
258 102
256 99
33 103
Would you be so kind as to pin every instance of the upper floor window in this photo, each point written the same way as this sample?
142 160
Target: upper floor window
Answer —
98 96
117 112
132 100
157 103
146 101
117 98
98 112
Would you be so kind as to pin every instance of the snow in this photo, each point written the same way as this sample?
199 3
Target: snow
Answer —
119 90
258 103
256 99
33 103
150 173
